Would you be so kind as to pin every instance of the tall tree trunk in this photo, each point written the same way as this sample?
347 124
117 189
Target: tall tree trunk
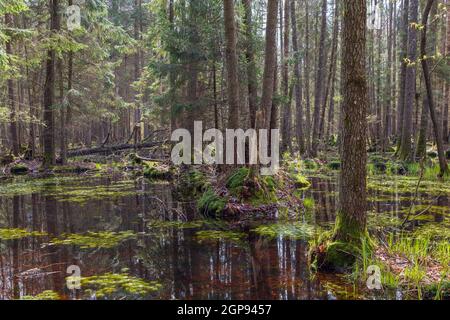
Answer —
351 220
232 64
269 64
388 84
332 69
421 149
137 67
307 80
406 149
298 83
320 77
426 73
11 96
402 76
287 118
445 129
49 92
251 65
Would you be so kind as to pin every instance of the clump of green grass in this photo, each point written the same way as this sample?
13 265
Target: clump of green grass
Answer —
211 203
309 203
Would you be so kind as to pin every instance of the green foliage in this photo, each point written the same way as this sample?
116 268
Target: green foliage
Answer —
121 285
104 239
237 179
211 203
310 164
309 203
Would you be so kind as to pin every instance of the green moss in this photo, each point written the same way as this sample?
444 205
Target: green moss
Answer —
105 239
309 203
121 285
219 235
339 256
211 203
12 234
45 295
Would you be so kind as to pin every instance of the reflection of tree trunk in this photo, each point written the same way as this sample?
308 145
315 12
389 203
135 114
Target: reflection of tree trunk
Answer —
260 270
15 247
51 219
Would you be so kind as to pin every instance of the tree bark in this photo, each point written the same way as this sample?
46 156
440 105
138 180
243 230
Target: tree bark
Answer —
402 76
298 83
352 196
251 65
11 96
269 64
49 93
320 77
287 118
406 149
232 64
426 73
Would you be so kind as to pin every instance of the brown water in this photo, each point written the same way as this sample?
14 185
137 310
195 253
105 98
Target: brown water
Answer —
255 267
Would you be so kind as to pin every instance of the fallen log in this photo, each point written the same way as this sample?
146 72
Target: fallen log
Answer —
111 149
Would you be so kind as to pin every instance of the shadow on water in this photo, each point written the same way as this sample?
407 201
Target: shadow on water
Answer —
250 267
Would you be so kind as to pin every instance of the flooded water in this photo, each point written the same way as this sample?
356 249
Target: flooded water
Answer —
239 264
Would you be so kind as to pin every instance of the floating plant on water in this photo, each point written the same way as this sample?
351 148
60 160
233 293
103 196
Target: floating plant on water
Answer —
158 224
12 234
215 235
117 286
103 239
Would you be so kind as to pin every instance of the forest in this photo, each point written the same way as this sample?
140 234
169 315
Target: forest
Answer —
336 120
